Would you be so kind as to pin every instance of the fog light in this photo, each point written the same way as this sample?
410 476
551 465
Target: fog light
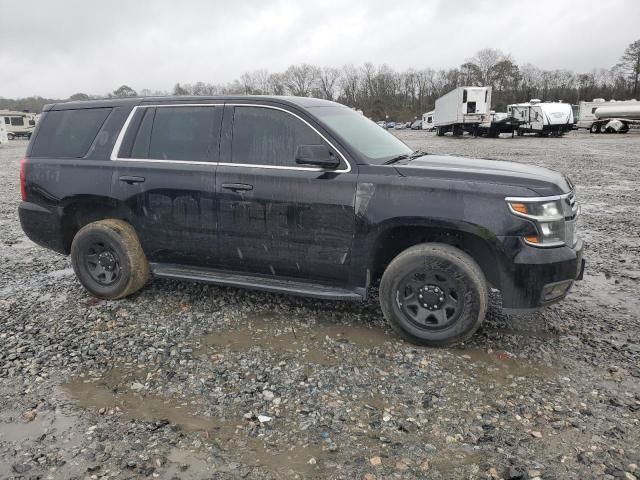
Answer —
553 291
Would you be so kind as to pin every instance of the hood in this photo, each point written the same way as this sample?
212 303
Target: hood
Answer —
541 181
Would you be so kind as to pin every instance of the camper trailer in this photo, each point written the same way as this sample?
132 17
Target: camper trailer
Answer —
427 121
543 118
18 124
462 110
587 111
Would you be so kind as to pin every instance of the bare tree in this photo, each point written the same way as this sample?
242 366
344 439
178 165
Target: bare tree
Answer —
630 64
328 82
300 79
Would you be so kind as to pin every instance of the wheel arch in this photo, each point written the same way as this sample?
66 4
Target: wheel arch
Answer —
81 210
474 240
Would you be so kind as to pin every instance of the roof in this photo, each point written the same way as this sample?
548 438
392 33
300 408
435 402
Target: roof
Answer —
300 102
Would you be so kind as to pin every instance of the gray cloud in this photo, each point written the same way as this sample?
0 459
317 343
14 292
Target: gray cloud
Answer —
59 48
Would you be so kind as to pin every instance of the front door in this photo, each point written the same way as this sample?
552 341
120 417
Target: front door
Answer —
278 217
165 176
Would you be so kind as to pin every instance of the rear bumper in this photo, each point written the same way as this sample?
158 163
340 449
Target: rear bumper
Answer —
536 277
43 226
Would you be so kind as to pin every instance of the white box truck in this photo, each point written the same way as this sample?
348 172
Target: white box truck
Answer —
462 109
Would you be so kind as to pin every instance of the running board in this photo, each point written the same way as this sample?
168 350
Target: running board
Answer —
256 282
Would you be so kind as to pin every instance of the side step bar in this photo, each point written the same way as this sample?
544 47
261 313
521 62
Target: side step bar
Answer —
256 282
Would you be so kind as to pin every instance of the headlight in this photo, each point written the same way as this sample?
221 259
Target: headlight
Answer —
554 218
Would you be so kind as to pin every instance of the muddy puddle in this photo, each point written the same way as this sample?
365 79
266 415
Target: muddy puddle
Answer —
14 428
319 344
500 367
112 394
115 393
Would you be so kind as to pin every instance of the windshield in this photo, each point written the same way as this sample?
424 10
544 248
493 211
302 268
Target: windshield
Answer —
376 144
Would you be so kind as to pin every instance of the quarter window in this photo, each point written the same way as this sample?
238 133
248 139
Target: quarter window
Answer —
68 133
265 136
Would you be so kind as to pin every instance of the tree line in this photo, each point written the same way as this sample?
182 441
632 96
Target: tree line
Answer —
380 91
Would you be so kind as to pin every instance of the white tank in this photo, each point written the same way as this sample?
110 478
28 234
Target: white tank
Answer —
631 112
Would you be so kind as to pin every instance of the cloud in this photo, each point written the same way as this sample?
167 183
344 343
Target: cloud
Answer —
60 48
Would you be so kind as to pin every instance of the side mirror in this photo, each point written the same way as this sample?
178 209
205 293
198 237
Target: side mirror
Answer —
316 155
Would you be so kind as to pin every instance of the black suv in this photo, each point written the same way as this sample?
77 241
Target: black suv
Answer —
299 196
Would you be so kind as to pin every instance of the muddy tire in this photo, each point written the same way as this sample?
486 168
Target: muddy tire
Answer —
108 259
434 294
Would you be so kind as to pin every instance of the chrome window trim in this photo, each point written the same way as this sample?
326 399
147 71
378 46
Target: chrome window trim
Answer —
539 199
125 127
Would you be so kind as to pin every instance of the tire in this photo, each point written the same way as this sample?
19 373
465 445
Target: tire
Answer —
442 274
11 136
439 132
595 128
108 259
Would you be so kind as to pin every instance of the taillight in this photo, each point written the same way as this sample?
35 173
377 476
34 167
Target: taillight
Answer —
23 187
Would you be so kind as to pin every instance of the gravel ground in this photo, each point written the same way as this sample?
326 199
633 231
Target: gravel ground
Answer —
194 381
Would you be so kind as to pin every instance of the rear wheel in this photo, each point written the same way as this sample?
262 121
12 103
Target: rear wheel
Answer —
108 259
434 294
10 136
595 128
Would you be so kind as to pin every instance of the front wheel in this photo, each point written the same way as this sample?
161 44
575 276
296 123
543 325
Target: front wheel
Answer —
108 259
434 294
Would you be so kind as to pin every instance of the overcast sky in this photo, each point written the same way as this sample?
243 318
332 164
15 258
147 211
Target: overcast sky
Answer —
57 48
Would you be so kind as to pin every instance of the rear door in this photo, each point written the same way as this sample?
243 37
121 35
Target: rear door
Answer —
277 217
165 175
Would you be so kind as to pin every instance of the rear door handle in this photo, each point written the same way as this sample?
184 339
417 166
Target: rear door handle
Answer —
236 187
131 180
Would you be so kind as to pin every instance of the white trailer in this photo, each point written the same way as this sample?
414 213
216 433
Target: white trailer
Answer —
587 110
427 121
462 109
543 118
616 118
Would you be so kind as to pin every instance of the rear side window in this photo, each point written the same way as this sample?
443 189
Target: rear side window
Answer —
17 121
182 133
68 133
264 136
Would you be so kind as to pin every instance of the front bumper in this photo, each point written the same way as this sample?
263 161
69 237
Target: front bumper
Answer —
533 277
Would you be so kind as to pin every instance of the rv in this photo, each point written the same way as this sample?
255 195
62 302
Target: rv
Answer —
18 124
587 111
427 121
543 118
462 109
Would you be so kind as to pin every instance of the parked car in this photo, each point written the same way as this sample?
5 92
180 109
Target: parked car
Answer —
407 125
417 125
299 196
382 123
391 125
399 126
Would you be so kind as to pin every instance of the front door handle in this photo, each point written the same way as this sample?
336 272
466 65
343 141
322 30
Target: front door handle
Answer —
131 180
236 187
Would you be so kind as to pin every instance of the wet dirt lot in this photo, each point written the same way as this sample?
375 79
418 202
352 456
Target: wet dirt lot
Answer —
194 381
